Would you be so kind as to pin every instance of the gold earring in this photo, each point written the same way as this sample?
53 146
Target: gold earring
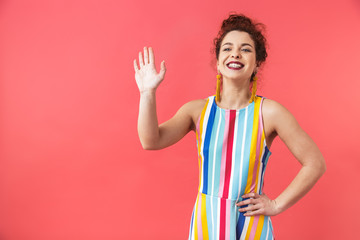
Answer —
253 92
218 85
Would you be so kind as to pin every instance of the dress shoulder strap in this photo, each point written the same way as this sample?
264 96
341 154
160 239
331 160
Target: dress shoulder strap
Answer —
209 102
260 100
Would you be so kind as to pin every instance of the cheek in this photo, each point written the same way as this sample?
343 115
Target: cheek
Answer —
251 60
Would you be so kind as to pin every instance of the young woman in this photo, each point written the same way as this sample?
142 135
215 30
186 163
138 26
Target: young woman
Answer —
234 131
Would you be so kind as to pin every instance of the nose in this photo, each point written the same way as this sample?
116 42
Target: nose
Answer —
236 54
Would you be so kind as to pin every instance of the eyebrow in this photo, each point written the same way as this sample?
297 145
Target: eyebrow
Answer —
244 44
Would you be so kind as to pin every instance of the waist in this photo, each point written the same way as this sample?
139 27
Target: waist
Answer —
219 198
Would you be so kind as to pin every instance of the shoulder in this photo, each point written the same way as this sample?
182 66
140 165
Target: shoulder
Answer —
276 116
195 104
193 109
272 108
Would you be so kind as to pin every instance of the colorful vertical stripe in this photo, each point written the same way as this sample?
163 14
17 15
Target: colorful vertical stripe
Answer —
232 157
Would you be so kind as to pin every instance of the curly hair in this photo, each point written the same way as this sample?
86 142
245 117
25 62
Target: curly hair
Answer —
240 22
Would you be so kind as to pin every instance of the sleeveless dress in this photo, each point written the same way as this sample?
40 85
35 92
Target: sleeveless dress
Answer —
232 155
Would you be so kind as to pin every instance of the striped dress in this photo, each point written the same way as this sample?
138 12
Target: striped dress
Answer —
232 156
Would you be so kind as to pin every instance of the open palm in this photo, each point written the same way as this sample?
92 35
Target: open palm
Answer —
147 78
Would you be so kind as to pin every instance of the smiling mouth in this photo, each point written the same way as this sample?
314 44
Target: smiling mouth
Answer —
235 66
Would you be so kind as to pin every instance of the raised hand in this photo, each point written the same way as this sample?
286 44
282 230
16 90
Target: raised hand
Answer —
147 78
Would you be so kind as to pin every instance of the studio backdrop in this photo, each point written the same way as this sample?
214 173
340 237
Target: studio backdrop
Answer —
71 163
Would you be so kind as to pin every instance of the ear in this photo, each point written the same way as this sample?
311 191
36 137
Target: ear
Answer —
257 67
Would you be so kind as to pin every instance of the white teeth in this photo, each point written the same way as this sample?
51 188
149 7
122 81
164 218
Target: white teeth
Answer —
234 65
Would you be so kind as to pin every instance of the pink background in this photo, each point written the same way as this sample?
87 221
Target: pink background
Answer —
71 165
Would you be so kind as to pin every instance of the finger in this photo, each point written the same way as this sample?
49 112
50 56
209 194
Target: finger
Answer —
249 195
242 203
253 213
151 56
249 208
141 62
246 202
146 56
136 66
162 67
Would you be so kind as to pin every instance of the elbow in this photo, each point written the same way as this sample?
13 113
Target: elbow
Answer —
320 171
321 168
149 142
148 145
317 167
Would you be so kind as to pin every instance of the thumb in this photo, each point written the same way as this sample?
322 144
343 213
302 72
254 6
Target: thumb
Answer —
162 68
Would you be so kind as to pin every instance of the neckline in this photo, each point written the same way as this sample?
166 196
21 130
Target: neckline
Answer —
228 110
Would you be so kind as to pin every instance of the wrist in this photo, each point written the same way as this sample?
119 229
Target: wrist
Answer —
278 206
147 92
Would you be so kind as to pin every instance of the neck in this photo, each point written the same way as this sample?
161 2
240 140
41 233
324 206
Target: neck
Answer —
235 94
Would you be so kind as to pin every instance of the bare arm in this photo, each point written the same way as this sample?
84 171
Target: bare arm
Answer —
305 151
283 123
152 136
155 137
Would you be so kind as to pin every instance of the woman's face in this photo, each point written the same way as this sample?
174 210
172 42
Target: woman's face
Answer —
237 56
